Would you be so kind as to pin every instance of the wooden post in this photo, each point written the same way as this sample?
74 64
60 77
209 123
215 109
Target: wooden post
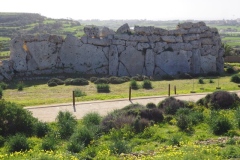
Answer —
168 90
130 92
74 101
175 90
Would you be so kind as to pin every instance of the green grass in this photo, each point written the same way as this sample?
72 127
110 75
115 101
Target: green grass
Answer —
5 53
38 92
4 38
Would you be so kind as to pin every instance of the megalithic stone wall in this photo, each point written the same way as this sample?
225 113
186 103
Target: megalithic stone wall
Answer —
191 48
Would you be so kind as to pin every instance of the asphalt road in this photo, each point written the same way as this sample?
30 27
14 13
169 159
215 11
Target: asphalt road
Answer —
48 113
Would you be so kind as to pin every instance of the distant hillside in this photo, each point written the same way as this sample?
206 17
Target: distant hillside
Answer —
12 24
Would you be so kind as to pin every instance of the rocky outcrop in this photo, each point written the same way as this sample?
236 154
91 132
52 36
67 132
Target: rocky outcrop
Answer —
191 48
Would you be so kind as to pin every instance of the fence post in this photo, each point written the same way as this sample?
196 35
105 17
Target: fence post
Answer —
175 90
73 95
130 92
168 90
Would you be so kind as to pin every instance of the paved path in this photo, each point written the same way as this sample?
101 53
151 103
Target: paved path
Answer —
48 113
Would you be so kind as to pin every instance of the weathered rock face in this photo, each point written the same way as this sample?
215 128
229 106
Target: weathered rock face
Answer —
191 48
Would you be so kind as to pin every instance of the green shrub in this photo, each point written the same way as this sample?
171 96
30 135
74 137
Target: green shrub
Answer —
201 81
20 86
1 93
184 123
167 77
79 93
102 81
147 84
133 84
175 140
120 146
49 143
231 152
74 146
93 79
68 81
82 135
66 123
116 80
211 81
18 143
2 141
140 124
152 114
137 77
230 70
3 85
79 82
126 78
221 100
52 84
15 119
151 105
103 88
219 124
92 119
171 105
235 78
237 115
56 80
42 129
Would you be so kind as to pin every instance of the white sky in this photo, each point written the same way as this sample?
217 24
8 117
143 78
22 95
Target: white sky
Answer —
128 9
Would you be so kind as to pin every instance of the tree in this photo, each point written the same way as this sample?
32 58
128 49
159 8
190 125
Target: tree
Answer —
228 49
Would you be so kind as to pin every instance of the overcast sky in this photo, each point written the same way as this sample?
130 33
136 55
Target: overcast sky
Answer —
127 9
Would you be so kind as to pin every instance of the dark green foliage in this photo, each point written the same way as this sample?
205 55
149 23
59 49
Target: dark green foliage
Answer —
219 124
120 146
237 115
235 78
79 93
93 79
133 109
92 119
152 114
171 105
219 100
167 77
230 70
20 86
74 146
137 77
68 81
103 88
41 129
56 80
79 82
3 85
211 81
151 105
52 84
175 140
147 84
231 152
184 123
116 80
1 93
66 123
15 119
133 84
126 78
18 143
82 135
200 81
102 81
140 124
2 141
50 142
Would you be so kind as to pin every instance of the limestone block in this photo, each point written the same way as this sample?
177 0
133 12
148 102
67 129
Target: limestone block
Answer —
125 37
199 24
173 63
84 39
132 61
191 37
144 30
206 34
149 62
113 60
214 30
194 31
123 29
154 38
92 31
120 48
196 61
208 63
204 28
196 44
118 42
106 32
131 43
142 46
160 31
178 32
138 38
185 25
99 42
206 41
160 46
172 39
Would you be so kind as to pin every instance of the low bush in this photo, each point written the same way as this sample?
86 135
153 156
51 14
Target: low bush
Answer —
230 70
79 82
102 81
171 105
201 81
92 119
2 141
235 78
103 88
140 124
79 93
211 81
41 129
151 105
66 123
1 93
219 124
116 80
74 146
126 78
52 84
18 143
184 123
20 86
147 84
15 119
68 81
120 146
56 80
3 85
93 79
49 143
152 114
134 84
167 77
137 78
237 115
82 135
